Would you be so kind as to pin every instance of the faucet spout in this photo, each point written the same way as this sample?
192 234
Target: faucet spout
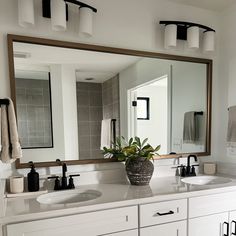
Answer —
189 156
188 168
64 169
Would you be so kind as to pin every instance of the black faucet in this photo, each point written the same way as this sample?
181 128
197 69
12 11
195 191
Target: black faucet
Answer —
63 185
188 170
64 178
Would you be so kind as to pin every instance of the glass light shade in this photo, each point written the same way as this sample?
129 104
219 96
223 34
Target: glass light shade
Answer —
58 15
209 41
193 37
170 36
86 21
26 13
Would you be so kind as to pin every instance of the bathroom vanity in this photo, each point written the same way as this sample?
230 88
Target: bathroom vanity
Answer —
166 207
64 105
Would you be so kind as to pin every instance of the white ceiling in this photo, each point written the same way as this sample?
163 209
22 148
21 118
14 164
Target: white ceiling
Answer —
215 5
87 64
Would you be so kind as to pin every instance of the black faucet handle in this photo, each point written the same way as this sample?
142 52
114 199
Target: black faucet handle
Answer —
182 171
75 175
53 177
57 185
71 181
193 172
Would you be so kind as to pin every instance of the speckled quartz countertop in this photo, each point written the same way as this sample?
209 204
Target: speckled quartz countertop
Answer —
113 195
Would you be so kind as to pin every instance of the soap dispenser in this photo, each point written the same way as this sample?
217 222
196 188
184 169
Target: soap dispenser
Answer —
33 179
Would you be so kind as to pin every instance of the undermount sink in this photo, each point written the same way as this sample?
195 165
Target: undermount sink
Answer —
69 196
205 180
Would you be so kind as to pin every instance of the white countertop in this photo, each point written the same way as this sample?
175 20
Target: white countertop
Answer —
113 196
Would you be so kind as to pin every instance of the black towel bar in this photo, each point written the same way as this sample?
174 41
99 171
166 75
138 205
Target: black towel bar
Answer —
200 113
4 102
113 121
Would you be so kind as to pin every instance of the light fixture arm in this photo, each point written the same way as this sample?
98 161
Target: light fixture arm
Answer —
186 24
46 5
81 4
183 26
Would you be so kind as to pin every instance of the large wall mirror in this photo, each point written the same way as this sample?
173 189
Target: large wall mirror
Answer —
62 91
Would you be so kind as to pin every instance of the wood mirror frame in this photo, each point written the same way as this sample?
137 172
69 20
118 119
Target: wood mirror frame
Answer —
73 45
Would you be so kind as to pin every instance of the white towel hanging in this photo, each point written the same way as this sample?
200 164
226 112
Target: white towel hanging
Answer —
10 145
106 134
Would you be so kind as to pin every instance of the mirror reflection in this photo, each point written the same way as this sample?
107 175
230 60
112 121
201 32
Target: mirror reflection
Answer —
33 102
65 97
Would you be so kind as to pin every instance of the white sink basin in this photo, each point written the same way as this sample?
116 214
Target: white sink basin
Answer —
205 180
68 196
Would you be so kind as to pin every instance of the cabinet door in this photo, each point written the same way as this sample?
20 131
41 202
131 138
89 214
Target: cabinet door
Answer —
125 233
89 224
170 229
212 225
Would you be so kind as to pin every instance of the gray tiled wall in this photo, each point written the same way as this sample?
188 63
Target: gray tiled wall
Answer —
96 102
33 112
111 101
89 102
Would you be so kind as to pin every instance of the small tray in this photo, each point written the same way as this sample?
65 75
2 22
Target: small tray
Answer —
12 195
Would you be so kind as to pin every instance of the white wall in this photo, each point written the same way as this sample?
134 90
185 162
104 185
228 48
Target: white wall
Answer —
70 113
156 128
190 78
227 82
145 70
125 23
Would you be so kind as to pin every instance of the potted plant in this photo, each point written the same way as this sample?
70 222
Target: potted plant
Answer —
137 155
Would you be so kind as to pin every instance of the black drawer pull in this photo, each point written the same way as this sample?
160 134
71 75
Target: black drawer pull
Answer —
233 233
166 213
227 228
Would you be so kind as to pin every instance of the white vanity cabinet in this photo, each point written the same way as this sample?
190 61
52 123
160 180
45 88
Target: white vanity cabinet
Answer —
209 225
209 215
212 215
89 224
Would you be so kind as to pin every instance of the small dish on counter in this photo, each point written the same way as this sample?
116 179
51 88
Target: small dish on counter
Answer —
25 194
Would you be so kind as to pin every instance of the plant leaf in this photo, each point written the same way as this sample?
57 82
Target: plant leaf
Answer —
144 141
131 141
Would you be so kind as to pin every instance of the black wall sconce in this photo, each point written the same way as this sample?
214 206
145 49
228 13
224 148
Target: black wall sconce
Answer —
188 31
57 10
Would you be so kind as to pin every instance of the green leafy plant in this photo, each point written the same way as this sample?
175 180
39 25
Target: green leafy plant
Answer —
132 149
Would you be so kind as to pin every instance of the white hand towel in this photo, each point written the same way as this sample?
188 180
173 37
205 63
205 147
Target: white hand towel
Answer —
5 152
106 134
0 130
14 137
231 135
189 132
11 149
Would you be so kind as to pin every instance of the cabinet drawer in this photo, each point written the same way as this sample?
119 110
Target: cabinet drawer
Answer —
212 204
89 224
163 212
171 229
125 233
